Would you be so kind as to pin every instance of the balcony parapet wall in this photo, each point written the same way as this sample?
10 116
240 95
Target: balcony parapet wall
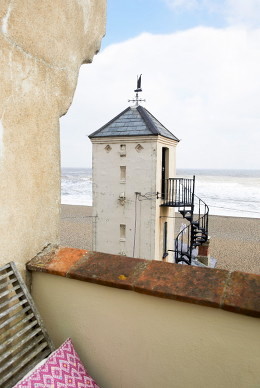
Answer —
237 292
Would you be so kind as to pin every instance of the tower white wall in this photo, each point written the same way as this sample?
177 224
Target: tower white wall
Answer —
131 201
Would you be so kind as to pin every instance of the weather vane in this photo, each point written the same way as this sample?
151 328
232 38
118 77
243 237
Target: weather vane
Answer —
137 90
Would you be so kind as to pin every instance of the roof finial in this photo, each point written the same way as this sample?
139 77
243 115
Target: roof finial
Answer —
137 90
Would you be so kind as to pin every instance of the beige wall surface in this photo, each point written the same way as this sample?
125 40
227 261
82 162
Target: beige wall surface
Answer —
42 45
131 340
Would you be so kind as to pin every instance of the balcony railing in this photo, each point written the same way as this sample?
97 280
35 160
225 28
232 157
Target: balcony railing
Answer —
177 192
194 235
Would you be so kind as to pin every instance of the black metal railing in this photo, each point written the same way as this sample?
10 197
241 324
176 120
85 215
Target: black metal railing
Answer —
183 247
193 235
202 212
177 192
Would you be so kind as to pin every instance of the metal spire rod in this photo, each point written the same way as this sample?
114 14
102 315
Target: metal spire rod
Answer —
137 91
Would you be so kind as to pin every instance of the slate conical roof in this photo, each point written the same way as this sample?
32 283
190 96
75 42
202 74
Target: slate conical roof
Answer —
133 121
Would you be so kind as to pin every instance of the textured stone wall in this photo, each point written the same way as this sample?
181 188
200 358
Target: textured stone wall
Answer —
42 46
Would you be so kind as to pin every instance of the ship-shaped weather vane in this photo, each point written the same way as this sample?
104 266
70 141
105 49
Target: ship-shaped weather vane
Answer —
137 91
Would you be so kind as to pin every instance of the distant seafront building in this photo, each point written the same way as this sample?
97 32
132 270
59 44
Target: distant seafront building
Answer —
136 192
132 155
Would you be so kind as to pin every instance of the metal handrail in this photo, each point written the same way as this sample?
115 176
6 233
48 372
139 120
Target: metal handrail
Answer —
203 220
183 250
184 246
177 192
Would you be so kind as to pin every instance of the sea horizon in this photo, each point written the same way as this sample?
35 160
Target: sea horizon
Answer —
227 192
181 168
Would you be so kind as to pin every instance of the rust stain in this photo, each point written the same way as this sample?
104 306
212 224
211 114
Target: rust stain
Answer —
122 277
64 259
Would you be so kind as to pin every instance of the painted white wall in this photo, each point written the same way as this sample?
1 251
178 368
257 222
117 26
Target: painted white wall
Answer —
139 212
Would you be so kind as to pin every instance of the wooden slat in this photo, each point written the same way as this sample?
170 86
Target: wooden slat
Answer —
26 369
26 360
32 304
15 316
25 350
13 308
21 343
17 335
13 329
7 292
6 275
10 300
5 267
6 284
23 339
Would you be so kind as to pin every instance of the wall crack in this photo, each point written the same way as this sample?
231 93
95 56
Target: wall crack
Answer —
31 56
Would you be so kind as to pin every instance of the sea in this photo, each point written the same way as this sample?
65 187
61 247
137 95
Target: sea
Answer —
233 193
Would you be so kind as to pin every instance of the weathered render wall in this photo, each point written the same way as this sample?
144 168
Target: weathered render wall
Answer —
42 45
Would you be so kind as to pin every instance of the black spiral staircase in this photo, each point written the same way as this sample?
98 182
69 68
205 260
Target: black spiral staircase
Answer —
179 193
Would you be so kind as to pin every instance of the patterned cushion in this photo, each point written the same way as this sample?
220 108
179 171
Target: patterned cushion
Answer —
62 369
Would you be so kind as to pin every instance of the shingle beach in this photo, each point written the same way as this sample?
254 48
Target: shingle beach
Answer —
235 241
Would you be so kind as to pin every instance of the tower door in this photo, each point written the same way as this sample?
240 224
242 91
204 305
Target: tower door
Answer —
165 169
165 237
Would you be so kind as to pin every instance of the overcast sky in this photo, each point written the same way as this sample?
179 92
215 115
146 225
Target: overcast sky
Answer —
200 61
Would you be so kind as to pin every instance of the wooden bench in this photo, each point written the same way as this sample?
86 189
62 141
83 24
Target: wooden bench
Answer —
24 341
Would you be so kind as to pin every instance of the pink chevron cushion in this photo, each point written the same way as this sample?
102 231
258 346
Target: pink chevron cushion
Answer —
62 369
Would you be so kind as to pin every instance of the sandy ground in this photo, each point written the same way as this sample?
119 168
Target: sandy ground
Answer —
235 242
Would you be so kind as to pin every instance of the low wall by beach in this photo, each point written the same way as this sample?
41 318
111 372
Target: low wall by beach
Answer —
234 241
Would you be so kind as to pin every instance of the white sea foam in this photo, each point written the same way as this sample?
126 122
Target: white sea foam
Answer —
228 193
76 187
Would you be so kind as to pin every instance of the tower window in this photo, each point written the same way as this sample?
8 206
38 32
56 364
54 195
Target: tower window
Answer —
122 232
122 150
122 174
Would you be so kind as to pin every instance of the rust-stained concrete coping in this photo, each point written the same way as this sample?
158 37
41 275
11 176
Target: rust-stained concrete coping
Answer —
238 292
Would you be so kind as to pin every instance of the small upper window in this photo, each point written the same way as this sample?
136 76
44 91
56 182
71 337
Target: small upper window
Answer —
122 150
122 174
122 232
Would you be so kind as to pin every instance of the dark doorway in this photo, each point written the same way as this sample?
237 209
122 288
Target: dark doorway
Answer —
165 249
165 163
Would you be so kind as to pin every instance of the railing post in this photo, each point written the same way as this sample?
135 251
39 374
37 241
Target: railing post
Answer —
175 191
170 191
191 236
193 190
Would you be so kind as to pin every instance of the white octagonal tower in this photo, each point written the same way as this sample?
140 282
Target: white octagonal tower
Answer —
133 155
